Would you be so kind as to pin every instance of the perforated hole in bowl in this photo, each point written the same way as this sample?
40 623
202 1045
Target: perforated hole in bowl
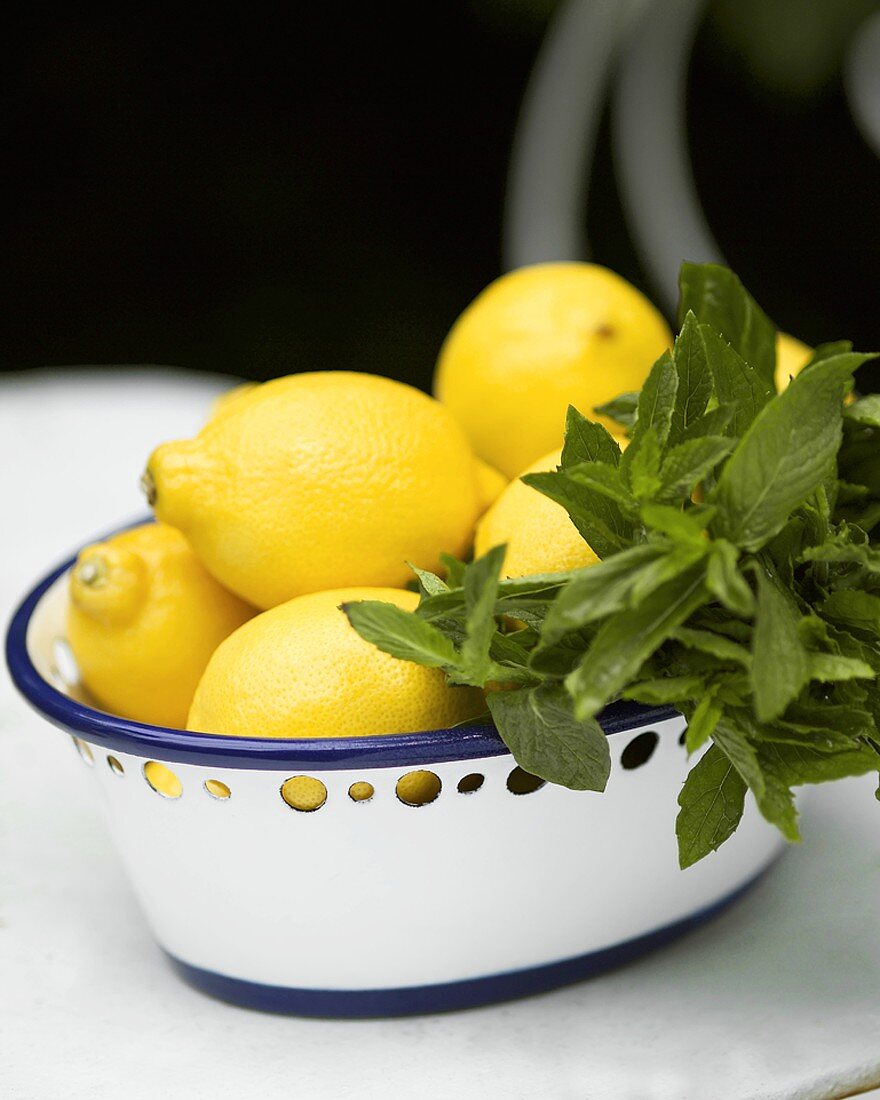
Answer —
304 793
115 766
83 749
216 788
418 788
162 779
65 663
640 750
361 791
470 784
522 782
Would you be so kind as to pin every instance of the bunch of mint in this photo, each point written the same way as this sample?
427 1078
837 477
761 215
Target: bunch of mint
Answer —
737 583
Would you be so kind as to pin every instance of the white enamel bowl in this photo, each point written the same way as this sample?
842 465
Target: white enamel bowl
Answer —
376 907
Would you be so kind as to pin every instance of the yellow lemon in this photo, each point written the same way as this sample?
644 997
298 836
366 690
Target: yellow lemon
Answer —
301 670
791 358
536 341
540 536
490 484
319 481
230 399
143 620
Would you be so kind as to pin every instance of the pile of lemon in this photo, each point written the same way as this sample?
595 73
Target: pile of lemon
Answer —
319 488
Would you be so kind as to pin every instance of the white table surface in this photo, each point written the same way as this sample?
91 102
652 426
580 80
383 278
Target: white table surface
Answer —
778 998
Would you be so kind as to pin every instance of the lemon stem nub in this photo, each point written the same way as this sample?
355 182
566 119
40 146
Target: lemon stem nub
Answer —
148 485
92 573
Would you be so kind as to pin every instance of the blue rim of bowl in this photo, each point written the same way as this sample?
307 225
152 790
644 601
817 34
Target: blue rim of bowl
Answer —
263 753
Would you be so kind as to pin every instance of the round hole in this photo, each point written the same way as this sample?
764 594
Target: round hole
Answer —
217 790
522 782
114 765
302 792
361 791
418 788
83 749
162 779
470 783
640 750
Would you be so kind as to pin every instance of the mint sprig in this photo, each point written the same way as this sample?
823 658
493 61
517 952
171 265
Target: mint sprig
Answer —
739 581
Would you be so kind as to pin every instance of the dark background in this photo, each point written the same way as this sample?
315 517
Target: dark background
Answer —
323 188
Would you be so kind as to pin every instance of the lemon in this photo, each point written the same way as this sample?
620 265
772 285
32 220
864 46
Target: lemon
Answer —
540 536
791 358
301 670
230 399
536 341
319 481
490 485
144 618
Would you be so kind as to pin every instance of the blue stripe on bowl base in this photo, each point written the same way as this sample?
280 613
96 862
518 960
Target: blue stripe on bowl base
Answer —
445 996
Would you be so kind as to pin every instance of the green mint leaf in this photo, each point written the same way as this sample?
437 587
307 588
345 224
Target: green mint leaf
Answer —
715 645
738 386
510 658
656 406
622 409
454 570
587 441
599 519
821 740
783 457
644 470
689 463
666 691
429 583
601 479
797 765
716 421
694 379
539 727
770 788
678 525
830 668
849 361
865 411
613 586
718 298
726 582
855 610
480 590
862 555
711 806
596 591
627 639
828 351
704 719
401 633
780 665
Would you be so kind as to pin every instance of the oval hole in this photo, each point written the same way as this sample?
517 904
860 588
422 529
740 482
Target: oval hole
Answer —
217 789
683 736
418 788
640 750
361 791
83 749
162 779
304 793
115 766
469 784
522 782
65 662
